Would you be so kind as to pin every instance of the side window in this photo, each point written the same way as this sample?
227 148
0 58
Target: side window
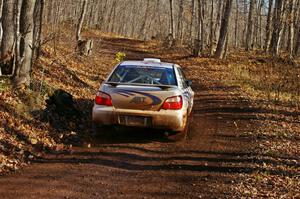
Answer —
182 78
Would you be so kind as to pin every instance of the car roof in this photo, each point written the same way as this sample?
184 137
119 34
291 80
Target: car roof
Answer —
147 63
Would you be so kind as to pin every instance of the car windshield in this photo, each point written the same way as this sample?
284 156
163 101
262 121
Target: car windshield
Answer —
143 75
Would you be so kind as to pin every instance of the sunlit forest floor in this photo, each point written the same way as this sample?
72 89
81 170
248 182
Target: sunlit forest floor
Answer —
257 94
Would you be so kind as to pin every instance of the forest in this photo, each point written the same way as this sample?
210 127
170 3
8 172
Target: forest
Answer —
243 138
208 28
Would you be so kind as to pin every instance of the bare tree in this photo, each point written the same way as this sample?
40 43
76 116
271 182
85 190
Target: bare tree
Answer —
22 75
220 51
80 21
220 9
245 11
133 17
249 36
259 29
8 37
291 28
236 27
17 53
1 31
192 19
212 28
110 16
157 19
277 26
268 26
180 21
143 27
84 47
297 44
172 22
199 23
198 48
38 25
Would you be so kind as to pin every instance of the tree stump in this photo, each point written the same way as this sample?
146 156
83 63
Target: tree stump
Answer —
85 47
169 41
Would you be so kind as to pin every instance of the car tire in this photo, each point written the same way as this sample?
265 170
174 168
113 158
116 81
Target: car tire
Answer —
183 133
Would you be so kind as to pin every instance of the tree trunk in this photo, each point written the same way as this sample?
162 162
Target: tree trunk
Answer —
17 56
297 27
157 18
249 36
180 21
92 13
38 25
80 21
259 35
1 31
143 30
277 27
202 20
236 27
7 45
114 13
224 30
226 48
26 43
172 23
198 50
268 26
110 16
291 28
8 28
132 18
211 45
297 45
219 19
101 14
245 4
192 19
51 9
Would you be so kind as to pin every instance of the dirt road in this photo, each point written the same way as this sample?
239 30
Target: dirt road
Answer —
145 164
139 163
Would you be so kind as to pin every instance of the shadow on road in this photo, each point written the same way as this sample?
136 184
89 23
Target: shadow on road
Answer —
217 162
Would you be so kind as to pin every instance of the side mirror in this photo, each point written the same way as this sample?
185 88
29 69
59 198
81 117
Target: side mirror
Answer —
189 83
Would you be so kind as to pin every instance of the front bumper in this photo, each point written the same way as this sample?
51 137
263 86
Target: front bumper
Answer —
174 120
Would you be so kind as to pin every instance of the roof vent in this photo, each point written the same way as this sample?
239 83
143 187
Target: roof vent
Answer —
152 60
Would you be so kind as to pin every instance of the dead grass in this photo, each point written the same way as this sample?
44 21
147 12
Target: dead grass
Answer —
274 84
274 79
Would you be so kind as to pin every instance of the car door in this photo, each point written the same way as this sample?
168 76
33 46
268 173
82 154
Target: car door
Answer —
188 93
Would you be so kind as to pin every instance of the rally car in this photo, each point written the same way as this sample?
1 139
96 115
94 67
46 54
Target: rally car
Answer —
147 94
